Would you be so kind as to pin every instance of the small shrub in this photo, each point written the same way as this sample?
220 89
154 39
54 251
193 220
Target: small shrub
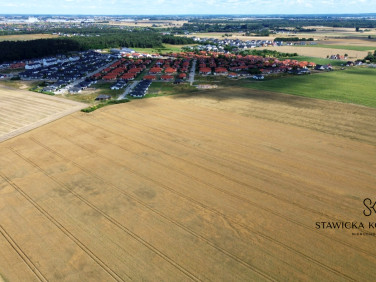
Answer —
101 105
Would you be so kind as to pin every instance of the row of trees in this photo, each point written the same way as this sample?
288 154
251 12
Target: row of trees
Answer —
20 50
258 25
6 29
371 57
219 27
125 39
177 40
288 39
267 53
292 22
142 39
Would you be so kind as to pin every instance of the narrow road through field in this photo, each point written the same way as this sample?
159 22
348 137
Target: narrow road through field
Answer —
128 90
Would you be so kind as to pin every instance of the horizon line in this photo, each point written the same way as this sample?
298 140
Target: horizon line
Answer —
298 14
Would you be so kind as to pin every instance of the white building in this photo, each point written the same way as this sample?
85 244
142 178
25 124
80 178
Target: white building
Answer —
50 62
33 66
32 20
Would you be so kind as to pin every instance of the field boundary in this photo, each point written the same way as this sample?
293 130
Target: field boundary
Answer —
76 106
44 121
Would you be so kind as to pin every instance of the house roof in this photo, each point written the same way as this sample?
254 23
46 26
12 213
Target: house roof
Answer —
218 70
170 70
167 77
135 70
205 70
155 70
149 77
128 75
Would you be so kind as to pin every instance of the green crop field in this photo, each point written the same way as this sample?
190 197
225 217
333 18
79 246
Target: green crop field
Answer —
167 48
344 47
353 85
164 89
316 60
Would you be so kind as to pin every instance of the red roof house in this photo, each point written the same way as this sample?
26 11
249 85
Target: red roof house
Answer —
167 77
150 77
170 70
205 71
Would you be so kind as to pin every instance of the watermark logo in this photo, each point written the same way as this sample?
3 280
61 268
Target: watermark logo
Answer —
358 228
370 207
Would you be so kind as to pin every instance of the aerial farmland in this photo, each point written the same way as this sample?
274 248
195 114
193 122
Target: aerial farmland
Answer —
155 181
144 158
21 111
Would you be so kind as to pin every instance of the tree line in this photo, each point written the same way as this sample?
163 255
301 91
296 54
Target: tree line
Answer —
256 25
23 50
296 22
267 53
371 57
288 39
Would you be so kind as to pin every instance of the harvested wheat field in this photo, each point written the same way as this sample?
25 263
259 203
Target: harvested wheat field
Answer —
319 51
21 111
25 37
349 42
181 188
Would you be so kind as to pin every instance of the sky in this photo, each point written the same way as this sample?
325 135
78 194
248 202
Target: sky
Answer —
176 7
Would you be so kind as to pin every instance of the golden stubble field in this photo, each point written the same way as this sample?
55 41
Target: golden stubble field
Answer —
323 32
350 42
319 51
24 37
21 111
205 187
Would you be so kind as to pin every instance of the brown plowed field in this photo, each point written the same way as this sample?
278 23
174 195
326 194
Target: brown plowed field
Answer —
179 188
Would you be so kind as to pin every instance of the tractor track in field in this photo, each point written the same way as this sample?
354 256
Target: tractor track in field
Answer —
25 258
81 245
205 152
110 219
145 205
205 207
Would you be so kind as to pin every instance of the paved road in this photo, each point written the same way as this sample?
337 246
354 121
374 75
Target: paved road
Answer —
128 90
192 73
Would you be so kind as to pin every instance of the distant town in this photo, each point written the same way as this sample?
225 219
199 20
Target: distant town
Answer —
117 53
187 147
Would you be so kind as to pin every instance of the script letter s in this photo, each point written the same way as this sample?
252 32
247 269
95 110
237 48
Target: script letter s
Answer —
368 207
